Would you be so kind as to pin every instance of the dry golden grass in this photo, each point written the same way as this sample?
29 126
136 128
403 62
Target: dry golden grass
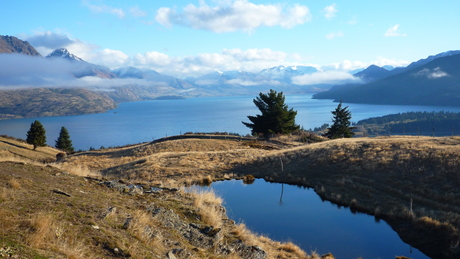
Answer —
14 183
11 148
184 160
209 206
274 249
42 234
53 225
375 175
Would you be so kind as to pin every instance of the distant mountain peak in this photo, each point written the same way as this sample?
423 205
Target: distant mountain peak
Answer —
372 73
64 53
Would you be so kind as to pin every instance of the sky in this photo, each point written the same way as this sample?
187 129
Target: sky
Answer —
190 38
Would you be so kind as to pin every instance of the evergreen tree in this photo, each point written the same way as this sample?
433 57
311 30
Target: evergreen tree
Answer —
63 142
341 127
275 115
36 135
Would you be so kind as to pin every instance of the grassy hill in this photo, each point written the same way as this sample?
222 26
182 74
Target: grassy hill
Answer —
409 182
58 210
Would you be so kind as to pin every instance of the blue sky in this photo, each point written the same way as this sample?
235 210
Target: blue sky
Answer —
184 38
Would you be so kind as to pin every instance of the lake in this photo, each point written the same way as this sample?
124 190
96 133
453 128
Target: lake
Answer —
300 216
137 122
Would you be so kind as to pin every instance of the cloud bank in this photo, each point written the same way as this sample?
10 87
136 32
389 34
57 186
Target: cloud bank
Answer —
327 77
26 71
239 15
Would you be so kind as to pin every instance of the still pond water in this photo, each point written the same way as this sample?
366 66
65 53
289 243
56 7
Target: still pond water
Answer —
289 213
137 122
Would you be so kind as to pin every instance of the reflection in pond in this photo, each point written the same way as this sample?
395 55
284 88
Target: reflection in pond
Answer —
289 213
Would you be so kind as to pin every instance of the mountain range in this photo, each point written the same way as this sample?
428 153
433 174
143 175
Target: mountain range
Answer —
430 81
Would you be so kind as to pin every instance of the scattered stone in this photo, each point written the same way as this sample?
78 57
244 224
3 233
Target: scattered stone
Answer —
106 213
61 192
171 255
95 227
6 252
127 223
250 252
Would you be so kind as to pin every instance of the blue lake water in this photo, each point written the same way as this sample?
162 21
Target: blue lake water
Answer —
304 219
137 122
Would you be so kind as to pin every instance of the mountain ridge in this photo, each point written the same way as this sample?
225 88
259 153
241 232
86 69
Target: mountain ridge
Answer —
11 44
434 83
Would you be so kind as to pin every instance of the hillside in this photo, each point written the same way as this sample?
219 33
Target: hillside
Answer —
52 211
10 44
435 83
42 102
378 176
409 182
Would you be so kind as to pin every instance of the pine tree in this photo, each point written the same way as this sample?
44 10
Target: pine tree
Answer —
341 127
36 135
63 142
275 115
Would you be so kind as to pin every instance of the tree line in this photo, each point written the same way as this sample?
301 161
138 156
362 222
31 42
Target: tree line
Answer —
36 136
421 123
277 118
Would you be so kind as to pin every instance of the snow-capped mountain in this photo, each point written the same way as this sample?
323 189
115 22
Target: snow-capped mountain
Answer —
81 68
283 73
65 54
275 76
151 76
129 72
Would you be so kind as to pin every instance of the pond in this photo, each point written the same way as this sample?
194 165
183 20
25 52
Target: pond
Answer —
290 213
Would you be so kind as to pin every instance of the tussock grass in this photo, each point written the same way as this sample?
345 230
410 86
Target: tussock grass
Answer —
42 234
273 248
209 206
14 183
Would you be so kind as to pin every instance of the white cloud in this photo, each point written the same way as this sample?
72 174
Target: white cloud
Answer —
393 32
251 60
237 15
330 11
110 58
328 77
381 61
104 9
333 35
347 65
153 58
432 73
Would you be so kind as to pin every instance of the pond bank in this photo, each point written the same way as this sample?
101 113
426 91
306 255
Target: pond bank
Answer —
408 182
